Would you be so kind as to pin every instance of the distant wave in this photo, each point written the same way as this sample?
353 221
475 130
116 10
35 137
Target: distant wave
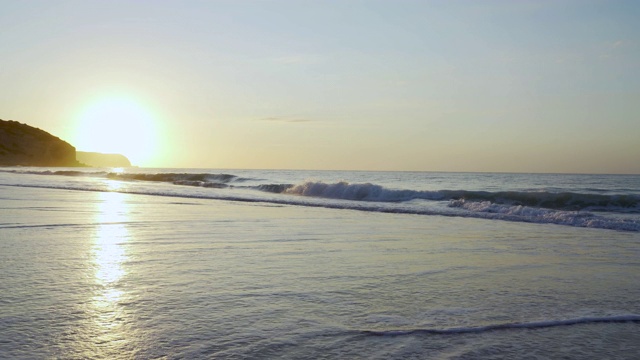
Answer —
189 179
178 178
508 326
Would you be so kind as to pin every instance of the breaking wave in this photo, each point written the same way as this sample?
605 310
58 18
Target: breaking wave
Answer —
571 209
360 192
541 199
603 211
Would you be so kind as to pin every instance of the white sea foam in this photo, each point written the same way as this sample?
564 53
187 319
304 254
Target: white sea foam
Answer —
487 209
363 192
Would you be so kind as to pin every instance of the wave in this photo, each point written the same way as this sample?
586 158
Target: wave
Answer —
544 207
515 214
342 190
508 326
177 178
541 199
551 200
360 192
273 188
489 210
519 213
189 179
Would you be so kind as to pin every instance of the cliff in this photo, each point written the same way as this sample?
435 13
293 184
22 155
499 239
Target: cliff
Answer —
102 160
24 145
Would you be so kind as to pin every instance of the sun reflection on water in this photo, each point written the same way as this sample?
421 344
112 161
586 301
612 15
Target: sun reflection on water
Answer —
111 235
109 254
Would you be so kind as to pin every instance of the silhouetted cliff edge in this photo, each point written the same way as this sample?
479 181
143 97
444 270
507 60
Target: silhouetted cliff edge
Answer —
24 145
102 160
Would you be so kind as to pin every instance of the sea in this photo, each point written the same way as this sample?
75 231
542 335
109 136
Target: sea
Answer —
142 263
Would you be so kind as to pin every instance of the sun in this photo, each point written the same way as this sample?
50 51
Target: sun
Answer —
117 125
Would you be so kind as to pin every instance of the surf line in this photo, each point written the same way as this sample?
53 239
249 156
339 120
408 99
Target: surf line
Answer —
528 325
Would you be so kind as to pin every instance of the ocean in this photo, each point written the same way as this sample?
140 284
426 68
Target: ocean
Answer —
253 264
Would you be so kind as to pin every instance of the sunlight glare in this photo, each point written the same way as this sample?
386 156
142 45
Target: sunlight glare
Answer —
117 125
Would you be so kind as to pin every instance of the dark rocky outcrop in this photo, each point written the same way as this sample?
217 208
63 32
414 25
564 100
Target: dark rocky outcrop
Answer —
102 160
24 145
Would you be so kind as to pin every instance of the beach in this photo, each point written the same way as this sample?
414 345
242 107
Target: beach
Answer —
88 274
320 180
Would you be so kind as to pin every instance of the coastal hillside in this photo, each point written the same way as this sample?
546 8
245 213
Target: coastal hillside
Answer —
102 160
24 145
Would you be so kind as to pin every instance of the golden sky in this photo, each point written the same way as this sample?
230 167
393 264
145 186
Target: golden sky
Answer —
514 86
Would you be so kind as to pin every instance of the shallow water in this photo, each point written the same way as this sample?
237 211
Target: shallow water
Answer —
87 274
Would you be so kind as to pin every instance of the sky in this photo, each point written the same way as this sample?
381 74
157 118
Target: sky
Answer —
495 86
